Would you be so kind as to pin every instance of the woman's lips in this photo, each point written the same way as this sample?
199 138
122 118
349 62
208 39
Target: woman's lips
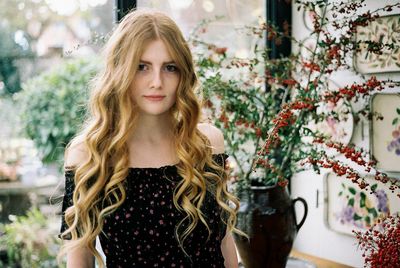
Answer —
154 98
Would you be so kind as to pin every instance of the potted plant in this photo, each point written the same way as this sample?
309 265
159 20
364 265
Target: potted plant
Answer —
271 112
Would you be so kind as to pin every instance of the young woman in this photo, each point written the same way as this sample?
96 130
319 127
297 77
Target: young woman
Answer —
144 175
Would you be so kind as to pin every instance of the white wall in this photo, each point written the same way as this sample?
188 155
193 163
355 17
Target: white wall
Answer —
315 237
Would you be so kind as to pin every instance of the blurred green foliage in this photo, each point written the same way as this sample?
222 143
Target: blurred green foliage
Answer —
30 241
53 106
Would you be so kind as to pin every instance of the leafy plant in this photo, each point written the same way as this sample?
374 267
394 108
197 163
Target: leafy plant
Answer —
30 241
270 109
53 106
381 243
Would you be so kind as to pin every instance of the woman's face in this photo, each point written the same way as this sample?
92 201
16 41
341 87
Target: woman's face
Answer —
156 80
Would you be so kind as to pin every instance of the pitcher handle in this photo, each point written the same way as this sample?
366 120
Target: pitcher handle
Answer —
298 225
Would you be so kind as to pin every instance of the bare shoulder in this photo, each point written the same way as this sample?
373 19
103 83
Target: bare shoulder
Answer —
75 153
215 136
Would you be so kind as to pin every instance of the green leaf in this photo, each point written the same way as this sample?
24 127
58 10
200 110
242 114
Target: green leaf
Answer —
356 217
307 131
373 187
351 202
373 212
352 190
398 111
367 219
362 199
394 122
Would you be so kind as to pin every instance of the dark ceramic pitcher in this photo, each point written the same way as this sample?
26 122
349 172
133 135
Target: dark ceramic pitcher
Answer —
267 215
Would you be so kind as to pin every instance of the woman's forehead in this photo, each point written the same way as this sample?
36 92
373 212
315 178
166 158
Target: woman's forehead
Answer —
156 51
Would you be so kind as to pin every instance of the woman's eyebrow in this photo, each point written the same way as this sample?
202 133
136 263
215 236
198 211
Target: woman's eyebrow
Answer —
148 62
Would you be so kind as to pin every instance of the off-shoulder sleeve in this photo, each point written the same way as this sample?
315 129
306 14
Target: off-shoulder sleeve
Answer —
220 159
67 201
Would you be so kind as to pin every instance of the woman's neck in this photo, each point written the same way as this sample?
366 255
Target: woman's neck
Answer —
152 130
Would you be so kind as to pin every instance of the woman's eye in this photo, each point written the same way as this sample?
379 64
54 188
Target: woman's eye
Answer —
171 68
142 67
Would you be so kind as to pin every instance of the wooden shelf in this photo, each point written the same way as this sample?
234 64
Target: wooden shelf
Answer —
319 262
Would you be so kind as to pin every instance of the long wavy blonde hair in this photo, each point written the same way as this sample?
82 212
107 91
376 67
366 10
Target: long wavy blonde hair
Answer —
99 189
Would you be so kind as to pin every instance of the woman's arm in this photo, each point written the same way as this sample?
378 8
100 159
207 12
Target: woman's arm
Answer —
80 258
216 138
229 251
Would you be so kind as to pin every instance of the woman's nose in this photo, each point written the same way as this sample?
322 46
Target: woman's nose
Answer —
156 81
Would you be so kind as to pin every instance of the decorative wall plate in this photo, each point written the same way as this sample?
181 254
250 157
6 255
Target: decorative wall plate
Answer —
309 16
307 48
338 125
386 30
349 208
385 133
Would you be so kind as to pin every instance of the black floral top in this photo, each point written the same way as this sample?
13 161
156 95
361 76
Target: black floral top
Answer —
141 232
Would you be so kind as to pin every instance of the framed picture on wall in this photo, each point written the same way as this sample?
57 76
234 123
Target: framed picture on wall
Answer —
338 124
385 29
349 208
309 16
385 131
